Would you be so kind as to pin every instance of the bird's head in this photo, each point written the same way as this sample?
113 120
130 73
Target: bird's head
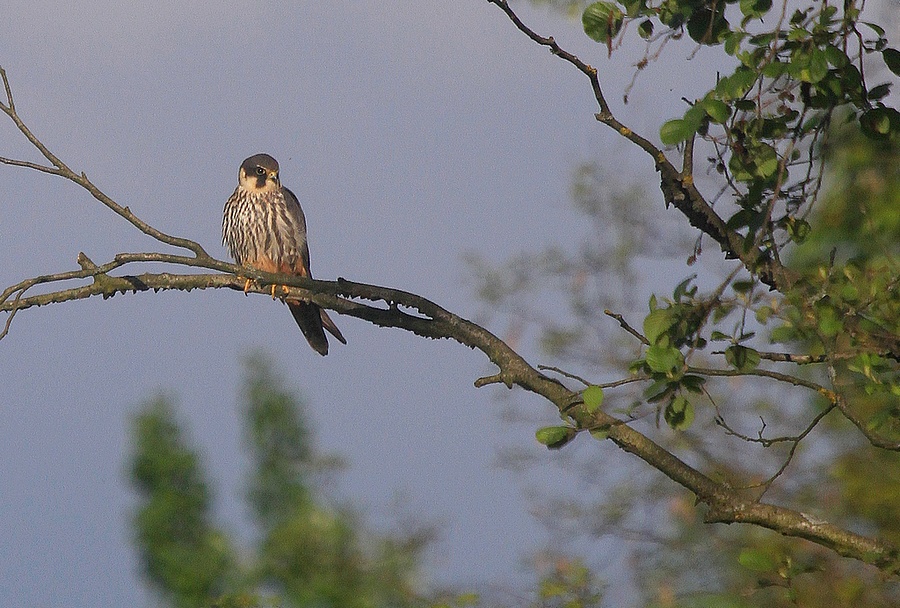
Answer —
259 173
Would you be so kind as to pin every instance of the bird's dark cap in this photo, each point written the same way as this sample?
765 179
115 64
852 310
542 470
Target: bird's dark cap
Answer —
259 160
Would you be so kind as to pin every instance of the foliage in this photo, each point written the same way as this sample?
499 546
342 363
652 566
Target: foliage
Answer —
182 552
808 346
310 553
850 254
767 125
568 583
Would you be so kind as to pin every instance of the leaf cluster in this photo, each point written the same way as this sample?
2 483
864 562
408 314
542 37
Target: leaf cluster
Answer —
766 120
309 553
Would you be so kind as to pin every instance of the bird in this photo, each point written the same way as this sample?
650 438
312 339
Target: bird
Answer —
263 227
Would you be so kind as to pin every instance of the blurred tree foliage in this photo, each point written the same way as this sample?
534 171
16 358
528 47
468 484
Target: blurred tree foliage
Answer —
809 156
309 552
774 373
182 552
679 561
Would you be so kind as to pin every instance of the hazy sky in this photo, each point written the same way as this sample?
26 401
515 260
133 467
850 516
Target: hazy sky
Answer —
412 132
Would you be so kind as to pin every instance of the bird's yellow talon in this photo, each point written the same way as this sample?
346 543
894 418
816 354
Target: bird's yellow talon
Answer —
247 286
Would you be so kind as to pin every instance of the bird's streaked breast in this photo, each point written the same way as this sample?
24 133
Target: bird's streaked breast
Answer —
260 225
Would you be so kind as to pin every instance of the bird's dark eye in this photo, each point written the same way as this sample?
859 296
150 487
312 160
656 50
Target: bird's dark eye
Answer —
260 171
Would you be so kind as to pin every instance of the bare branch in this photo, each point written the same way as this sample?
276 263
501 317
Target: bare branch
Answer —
586 69
791 358
562 372
624 325
764 373
82 180
770 441
29 165
10 104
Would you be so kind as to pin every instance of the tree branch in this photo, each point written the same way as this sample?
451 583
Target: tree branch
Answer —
416 314
427 319
678 187
82 180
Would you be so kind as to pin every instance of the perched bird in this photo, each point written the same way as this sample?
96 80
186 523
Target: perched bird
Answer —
264 228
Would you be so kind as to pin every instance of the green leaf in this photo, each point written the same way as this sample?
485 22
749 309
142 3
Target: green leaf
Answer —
602 21
718 111
742 358
708 27
759 161
755 8
633 8
592 397
743 285
775 69
600 434
766 160
679 413
676 131
737 85
878 123
554 437
658 323
733 42
659 390
645 29
879 31
783 334
695 116
798 33
836 56
812 67
757 560
685 289
693 383
878 92
830 324
665 359
798 229
892 60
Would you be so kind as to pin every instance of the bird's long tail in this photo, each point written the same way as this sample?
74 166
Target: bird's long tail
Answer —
313 322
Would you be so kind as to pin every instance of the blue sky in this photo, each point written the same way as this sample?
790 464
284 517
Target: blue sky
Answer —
412 133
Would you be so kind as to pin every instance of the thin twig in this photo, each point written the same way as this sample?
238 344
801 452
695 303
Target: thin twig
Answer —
624 325
82 180
561 372
10 104
765 485
874 438
734 373
29 165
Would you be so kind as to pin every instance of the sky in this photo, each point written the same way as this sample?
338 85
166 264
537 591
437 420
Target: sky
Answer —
413 133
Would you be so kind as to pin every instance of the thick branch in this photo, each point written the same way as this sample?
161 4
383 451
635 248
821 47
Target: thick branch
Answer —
423 317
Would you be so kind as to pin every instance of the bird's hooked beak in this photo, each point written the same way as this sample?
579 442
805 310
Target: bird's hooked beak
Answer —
273 176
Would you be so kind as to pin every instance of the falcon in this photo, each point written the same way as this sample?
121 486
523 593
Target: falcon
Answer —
263 227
